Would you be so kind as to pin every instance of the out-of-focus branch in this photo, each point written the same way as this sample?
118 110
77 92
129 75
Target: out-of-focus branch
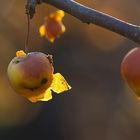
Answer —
30 7
88 15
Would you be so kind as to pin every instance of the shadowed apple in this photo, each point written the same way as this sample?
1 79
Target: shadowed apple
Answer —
130 69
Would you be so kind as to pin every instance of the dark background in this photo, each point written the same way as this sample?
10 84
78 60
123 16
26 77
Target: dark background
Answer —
99 105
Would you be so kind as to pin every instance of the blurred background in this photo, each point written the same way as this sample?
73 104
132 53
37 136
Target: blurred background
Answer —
99 106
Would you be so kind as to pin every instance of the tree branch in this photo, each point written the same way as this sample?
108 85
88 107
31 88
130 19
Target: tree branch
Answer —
88 15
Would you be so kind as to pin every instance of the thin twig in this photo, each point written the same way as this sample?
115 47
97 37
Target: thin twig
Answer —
28 27
28 33
88 15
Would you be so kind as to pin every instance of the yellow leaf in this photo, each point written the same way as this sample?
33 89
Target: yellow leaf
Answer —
59 84
20 53
42 30
34 98
57 15
51 39
63 28
47 95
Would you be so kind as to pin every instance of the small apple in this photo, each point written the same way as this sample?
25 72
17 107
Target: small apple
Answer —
53 26
31 74
130 69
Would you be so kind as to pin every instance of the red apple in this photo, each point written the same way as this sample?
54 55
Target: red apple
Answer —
130 69
30 75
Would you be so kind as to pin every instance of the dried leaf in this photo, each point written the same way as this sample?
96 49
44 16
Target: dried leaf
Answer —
47 95
20 53
59 84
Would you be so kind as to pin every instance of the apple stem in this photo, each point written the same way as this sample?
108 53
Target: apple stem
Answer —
28 29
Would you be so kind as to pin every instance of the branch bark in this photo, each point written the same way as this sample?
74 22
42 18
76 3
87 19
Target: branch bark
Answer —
88 15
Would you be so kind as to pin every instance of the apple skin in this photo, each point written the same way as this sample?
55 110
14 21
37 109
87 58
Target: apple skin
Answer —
31 75
130 69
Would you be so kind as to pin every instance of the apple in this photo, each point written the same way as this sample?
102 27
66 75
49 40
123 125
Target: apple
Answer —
31 74
130 69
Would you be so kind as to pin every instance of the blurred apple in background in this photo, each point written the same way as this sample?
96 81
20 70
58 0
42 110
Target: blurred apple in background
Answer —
130 69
